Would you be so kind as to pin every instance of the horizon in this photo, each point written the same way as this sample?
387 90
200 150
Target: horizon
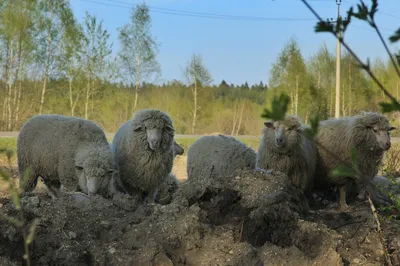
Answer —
237 49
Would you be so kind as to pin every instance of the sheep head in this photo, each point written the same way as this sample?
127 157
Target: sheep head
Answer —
155 128
378 128
94 167
284 134
178 149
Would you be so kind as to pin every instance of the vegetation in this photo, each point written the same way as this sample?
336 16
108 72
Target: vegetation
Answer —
50 63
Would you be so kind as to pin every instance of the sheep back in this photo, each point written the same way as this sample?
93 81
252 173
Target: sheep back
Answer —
49 145
140 168
221 156
339 136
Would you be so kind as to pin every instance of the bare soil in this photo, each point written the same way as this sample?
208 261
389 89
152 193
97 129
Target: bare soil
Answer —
253 219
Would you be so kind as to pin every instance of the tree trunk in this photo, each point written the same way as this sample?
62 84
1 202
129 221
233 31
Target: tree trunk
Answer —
19 95
195 106
240 120
10 82
5 78
87 99
72 101
234 118
47 66
138 70
350 87
296 103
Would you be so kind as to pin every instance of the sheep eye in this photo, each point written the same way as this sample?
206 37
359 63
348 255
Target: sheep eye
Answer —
375 130
80 168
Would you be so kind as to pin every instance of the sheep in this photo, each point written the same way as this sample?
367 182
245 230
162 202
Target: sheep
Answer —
171 184
144 153
368 133
284 148
218 156
68 153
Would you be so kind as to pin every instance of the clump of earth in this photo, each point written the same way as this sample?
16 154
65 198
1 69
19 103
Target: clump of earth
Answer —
255 218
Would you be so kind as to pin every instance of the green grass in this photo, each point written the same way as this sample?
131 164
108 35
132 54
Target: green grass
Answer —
11 143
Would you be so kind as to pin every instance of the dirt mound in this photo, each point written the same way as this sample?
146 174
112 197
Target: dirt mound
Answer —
253 219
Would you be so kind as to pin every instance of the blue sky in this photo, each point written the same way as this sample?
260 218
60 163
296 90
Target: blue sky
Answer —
240 50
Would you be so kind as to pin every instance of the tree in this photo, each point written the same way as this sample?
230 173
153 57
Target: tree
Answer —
52 23
322 70
197 75
94 57
138 49
223 85
289 74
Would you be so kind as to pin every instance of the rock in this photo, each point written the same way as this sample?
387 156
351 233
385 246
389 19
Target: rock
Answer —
71 235
162 260
111 250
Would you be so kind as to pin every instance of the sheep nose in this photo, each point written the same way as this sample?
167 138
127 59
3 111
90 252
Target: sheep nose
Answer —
279 140
388 144
155 142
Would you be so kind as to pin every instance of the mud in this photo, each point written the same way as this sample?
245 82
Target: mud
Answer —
254 219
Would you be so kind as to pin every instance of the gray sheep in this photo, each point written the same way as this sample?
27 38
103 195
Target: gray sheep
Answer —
143 148
218 156
368 133
68 153
284 148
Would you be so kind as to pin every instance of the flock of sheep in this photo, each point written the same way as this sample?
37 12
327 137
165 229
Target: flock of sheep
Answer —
73 154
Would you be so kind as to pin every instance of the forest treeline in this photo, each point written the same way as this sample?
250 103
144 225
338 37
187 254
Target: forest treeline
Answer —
51 63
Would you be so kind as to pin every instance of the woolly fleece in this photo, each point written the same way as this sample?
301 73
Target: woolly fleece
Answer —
339 136
297 158
218 156
141 169
52 145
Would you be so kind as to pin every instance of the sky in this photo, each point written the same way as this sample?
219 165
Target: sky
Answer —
241 49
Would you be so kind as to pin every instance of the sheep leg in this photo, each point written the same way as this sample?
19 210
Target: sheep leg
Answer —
342 202
151 196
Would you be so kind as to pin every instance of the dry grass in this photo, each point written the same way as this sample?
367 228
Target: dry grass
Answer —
391 161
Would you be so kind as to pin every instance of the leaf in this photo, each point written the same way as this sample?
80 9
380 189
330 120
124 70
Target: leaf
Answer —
32 231
279 108
324 26
374 9
344 171
4 175
395 37
354 159
11 220
313 130
389 107
362 13
347 21
26 176
15 197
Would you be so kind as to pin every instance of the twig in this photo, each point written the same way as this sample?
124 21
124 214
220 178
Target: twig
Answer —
381 238
362 64
386 47
349 223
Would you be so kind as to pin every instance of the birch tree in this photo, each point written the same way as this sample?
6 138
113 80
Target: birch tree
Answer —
197 75
138 49
94 57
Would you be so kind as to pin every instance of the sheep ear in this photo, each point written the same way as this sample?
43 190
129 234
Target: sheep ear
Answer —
392 128
269 124
170 128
